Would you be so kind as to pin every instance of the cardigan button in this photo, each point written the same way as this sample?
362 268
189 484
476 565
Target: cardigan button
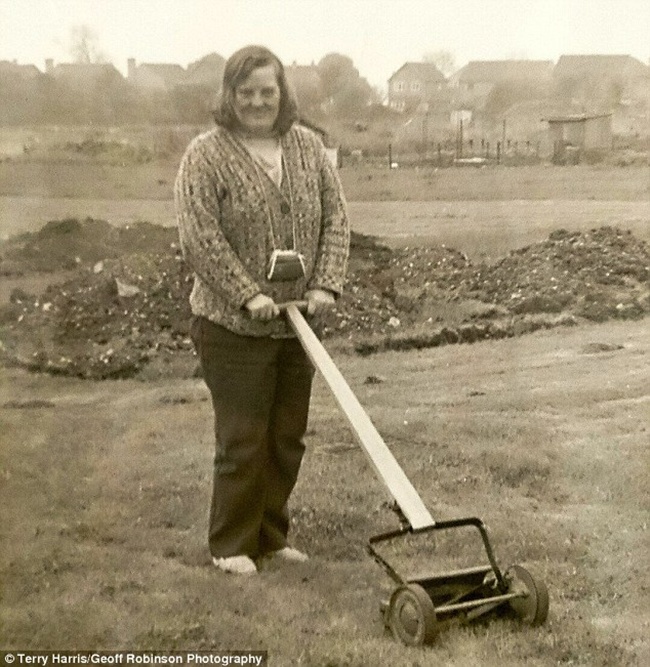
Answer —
285 208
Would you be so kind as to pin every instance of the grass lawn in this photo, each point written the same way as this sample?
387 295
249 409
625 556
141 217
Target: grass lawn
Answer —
106 486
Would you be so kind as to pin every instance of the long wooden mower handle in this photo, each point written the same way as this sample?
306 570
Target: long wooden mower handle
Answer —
382 459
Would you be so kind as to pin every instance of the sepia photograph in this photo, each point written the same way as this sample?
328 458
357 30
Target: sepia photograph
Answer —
324 332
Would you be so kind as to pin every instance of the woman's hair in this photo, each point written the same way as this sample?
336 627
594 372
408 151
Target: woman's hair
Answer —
238 68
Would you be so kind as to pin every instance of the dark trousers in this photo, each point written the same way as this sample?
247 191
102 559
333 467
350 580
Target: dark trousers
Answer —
260 390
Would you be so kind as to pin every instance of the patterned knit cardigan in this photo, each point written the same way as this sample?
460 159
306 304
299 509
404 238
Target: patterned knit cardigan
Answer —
231 216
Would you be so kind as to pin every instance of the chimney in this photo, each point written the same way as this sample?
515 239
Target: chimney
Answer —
130 69
49 65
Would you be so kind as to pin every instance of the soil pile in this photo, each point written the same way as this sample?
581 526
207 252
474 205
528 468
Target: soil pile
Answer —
570 277
127 302
69 243
598 274
385 287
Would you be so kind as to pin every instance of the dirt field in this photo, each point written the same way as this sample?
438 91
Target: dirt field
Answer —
104 485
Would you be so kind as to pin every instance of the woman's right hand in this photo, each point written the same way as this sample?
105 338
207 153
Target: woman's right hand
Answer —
262 307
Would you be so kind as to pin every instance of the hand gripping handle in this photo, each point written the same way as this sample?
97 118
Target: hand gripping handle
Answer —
300 305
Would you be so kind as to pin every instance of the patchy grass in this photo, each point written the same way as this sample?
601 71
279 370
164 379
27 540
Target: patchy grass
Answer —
539 182
79 178
106 487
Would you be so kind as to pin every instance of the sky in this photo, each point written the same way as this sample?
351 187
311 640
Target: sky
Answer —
379 35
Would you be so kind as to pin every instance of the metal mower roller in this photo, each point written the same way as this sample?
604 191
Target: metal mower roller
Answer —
418 606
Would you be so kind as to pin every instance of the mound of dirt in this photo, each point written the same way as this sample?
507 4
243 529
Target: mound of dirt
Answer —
598 274
127 302
108 321
69 243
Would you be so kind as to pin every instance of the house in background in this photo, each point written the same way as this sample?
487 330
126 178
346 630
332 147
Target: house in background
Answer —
208 71
24 72
161 76
82 75
417 84
473 83
629 74
619 84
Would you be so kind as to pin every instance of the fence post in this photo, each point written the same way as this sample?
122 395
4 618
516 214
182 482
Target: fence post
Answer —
498 152
425 136
390 156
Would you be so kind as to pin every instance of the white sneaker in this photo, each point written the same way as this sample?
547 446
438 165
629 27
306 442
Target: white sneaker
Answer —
235 564
289 554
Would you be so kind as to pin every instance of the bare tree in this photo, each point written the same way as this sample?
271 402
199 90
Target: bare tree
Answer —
444 60
84 45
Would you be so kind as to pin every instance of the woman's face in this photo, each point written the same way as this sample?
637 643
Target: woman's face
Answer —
257 101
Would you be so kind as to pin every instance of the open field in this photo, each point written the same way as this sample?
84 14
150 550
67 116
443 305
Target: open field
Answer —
104 486
479 229
153 180
482 212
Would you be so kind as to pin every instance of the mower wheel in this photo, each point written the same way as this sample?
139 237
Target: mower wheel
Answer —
412 616
532 607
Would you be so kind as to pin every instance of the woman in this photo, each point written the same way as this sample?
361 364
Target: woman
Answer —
262 220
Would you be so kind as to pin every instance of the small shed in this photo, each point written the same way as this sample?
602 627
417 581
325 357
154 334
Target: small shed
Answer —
571 135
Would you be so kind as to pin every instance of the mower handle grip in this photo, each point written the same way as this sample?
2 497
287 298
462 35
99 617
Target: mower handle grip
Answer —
300 305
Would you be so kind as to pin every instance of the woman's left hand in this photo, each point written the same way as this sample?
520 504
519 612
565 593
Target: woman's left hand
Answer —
318 301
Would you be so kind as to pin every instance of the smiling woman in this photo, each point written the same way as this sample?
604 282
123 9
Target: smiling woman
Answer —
257 102
262 221
255 95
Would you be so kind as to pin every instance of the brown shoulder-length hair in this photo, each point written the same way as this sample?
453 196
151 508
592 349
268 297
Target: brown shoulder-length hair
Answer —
238 68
